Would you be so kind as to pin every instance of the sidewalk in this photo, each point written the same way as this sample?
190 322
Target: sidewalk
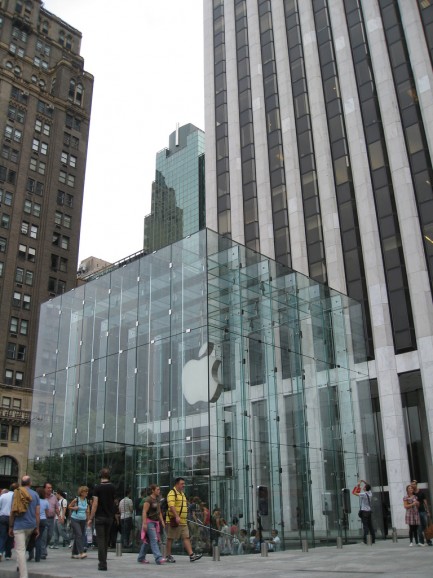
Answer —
355 561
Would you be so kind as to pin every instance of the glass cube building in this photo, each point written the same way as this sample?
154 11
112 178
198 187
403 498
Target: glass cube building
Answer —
209 361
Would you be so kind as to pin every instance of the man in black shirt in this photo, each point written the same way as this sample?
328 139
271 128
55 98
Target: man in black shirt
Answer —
103 513
423 512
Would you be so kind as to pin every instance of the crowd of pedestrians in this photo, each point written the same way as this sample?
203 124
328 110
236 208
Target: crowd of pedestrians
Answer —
33 521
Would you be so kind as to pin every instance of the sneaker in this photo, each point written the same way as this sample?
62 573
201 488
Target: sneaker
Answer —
410 545
161 561
423 544
143 562
170 559
53 547
195 557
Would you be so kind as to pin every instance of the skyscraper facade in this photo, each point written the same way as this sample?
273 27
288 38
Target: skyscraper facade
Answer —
319 134
178 190
45 104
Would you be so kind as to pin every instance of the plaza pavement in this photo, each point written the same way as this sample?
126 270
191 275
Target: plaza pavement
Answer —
384 559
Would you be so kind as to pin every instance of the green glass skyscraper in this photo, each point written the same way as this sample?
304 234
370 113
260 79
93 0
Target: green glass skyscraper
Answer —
178 194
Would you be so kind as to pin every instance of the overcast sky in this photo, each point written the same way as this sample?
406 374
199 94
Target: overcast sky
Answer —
147 60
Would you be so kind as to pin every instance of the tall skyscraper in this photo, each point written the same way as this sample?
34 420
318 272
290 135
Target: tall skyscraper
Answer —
45 104
319 135
178 190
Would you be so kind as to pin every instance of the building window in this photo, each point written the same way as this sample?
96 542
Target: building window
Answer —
15 433
6 401
1 268
10 154
45 108
45 27
35 186
19 378
24 326
56 286
65 199
73 122
3 244
29 278
15 113
68 42
42 127
16 403
34 231
11 350
13 327
66 158
26 302
32 208
13 133
6 198
70 140
19 275
22 251
75 93
9 377
4 432
4 221
38 166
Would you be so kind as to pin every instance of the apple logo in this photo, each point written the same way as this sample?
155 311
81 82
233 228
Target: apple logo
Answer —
198 373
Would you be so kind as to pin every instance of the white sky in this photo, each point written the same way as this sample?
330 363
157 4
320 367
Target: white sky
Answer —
147 60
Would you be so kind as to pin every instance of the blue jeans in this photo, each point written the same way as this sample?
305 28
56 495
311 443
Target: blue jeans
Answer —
5 540
153 543
43 529
423 525
79 534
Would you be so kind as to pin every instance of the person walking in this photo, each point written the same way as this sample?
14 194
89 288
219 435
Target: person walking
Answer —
79 507
60 522
103 513
24 521
43 508
410 503
6 541
151 526
126 509
365 496
53 511
423 513
176 521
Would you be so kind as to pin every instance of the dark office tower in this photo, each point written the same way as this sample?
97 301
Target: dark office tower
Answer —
319 138
178 194
45 102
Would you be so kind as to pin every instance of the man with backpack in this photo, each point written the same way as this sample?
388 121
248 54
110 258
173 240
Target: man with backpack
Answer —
24 521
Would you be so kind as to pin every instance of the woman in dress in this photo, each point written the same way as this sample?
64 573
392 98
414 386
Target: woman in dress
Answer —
410 503
80 514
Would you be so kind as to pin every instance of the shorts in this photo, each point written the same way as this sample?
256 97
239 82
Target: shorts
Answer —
177 533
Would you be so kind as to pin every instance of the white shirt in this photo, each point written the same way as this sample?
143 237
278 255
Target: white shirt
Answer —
126 508
6 503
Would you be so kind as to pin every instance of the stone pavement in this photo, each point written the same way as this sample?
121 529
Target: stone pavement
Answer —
353 561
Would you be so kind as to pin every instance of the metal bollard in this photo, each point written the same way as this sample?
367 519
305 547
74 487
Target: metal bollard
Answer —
264 550
339 542
369 540
305 545
118 548
216 554
394 535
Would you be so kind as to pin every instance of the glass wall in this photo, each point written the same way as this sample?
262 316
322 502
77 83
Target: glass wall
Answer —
209 361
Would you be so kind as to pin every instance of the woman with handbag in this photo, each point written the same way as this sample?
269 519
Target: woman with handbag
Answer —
152 521
410 503
79 516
